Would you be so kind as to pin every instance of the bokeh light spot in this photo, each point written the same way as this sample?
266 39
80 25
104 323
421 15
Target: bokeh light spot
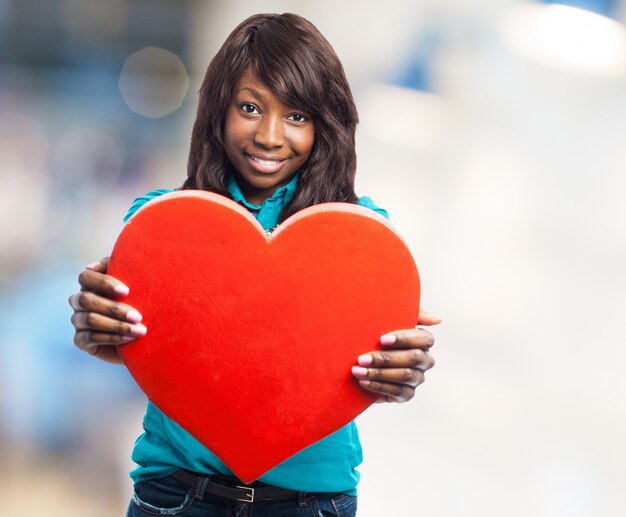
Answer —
566 37
153 82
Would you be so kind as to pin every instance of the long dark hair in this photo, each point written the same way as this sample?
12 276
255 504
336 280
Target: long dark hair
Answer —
289 54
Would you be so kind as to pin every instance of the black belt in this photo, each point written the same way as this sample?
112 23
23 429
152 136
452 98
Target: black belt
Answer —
219 487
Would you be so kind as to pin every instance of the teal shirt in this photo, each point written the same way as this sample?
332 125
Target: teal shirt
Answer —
326 466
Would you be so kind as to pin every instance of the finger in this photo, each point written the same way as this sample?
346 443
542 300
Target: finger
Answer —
87 340
408 338
392 392
100 266
110 354
101 350
83 320
425 318
408 358
404 376
91 302
92 280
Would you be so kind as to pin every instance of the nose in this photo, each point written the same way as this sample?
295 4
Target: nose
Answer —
269 133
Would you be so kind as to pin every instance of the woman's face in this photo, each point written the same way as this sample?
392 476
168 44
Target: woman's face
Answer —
266 140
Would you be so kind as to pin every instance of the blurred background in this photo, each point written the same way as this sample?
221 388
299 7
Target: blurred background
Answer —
494 133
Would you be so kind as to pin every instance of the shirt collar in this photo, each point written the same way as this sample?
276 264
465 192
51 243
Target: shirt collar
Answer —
282 195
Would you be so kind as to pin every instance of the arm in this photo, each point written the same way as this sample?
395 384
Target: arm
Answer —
99 320
395 372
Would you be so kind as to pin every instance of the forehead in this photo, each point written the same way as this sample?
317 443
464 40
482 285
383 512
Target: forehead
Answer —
250 81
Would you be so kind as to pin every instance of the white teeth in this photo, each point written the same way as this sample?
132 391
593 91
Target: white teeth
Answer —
267 163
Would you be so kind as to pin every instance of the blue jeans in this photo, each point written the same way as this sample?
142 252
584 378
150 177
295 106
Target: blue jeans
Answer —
169 496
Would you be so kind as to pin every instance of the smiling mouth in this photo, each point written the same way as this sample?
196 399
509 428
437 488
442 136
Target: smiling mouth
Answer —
267 166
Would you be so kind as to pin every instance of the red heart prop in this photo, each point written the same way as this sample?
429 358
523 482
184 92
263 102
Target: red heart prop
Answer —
251 338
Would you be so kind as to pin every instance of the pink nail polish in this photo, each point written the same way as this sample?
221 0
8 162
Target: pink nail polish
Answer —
359 371
138 330
364 382
388 339
365 360
92 265
126 339
133 316
121 289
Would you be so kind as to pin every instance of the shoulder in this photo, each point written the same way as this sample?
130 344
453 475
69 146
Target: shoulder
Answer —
368 203
140 201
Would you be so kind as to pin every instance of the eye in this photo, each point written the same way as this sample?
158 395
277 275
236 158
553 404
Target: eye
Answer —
249 108
298 117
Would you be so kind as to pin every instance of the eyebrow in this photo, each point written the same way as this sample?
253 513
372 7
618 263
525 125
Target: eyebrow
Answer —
257 95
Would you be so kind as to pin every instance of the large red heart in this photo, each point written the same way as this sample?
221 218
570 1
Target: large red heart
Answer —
251 338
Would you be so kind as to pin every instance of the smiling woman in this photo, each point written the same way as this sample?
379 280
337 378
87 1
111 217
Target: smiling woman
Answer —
274 132
266 140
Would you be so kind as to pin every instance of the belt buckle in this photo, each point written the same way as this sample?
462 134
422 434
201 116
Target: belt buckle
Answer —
249 494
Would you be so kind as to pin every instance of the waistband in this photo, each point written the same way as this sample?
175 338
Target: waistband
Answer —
233 489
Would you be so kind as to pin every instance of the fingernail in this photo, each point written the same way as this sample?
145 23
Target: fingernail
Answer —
126 339
358 371
364 382
365 360
388 339
425 315
121 289
133 316
92 265
138 330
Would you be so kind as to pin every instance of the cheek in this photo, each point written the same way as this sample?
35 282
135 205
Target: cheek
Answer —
234 130
305 141
229 134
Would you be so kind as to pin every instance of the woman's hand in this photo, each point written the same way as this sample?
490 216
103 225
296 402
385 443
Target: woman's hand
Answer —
395 372
100 321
